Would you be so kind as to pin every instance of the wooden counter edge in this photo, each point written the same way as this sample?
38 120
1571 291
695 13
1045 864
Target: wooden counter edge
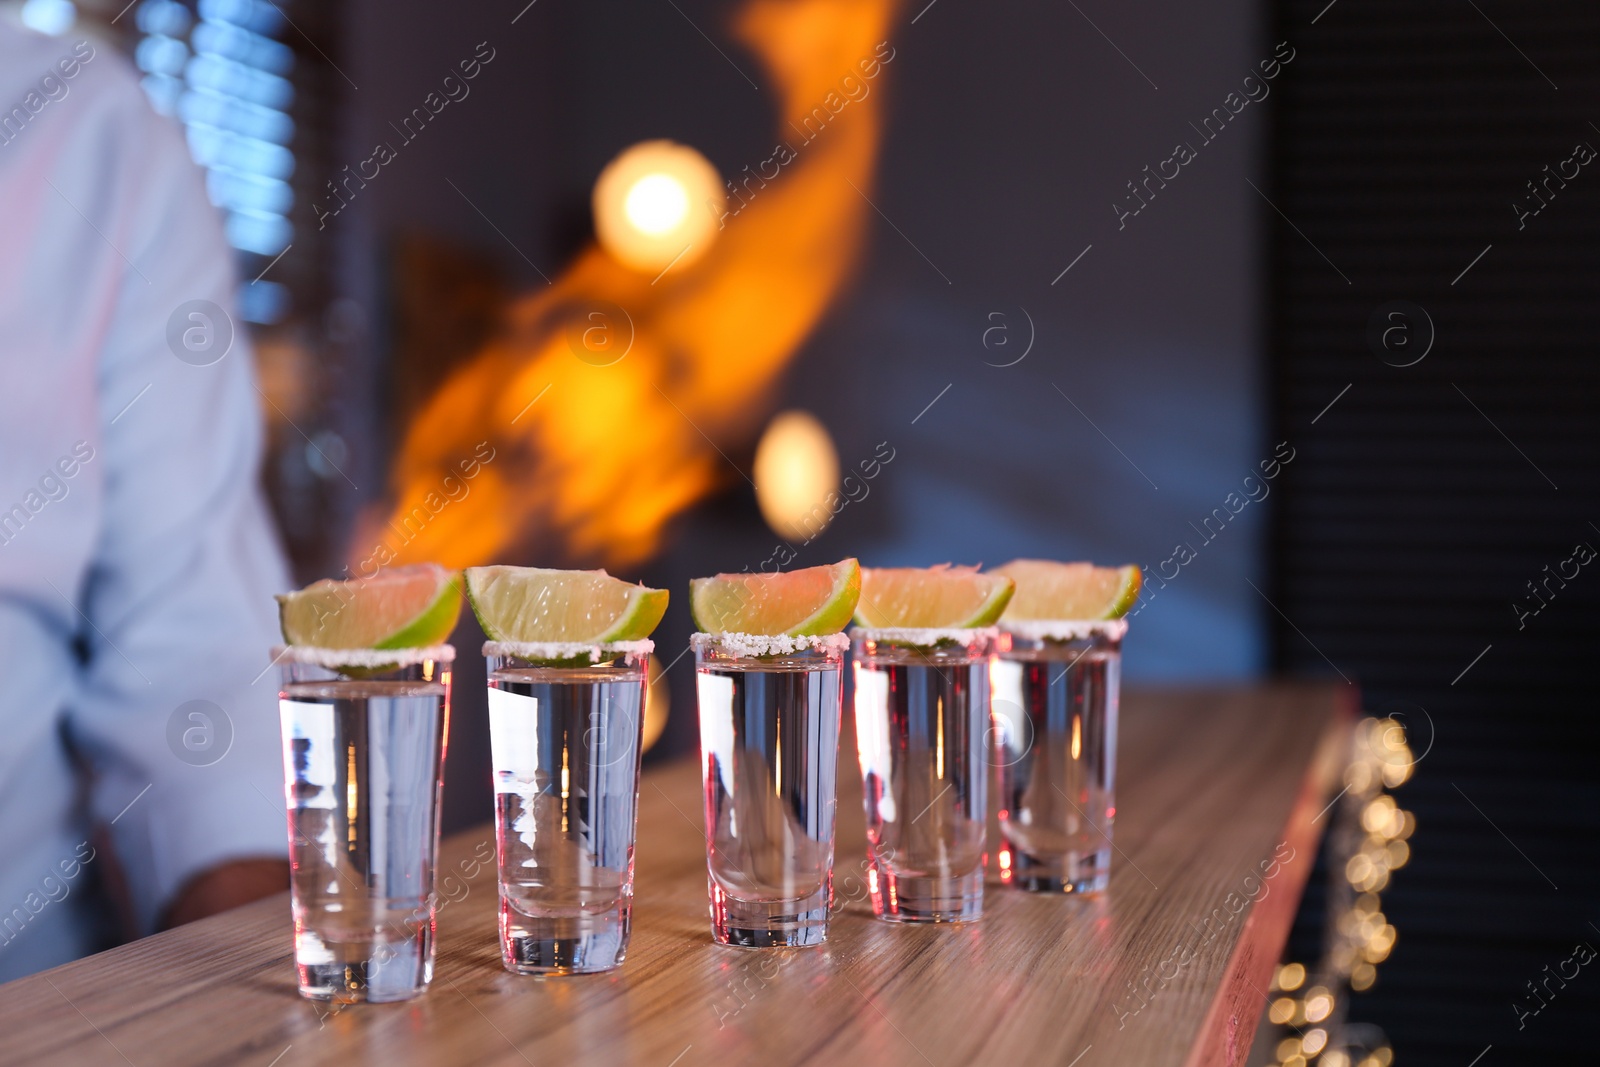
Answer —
1229 1028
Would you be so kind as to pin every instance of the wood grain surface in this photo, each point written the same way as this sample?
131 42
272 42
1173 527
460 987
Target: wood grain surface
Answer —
1218 807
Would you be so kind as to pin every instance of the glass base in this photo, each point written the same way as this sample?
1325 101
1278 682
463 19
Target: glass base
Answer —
371 972
906 899
554 946
777 924
562 955
1083 874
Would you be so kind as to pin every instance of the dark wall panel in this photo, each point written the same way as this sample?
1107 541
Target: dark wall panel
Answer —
1428 495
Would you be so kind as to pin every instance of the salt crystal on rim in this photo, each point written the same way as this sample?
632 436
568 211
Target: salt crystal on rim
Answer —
769 644
917 635
367 658
548 650
1066 629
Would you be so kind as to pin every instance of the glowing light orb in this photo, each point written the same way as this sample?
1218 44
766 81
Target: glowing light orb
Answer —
797 476
657 205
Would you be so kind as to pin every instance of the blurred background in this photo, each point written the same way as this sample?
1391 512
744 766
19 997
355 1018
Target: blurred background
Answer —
1291 303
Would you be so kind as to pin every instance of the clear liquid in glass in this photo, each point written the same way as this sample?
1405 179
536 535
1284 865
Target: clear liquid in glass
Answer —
566 750
769 736
1055 713
363 765
922 728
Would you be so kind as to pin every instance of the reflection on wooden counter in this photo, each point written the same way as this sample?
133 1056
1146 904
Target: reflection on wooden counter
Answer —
1216 831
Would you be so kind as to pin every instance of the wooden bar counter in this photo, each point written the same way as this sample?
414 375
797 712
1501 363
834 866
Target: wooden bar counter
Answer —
1219 811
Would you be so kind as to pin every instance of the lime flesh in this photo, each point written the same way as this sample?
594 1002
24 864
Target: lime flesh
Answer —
801 603
403 607
942 597
1075 591
539 604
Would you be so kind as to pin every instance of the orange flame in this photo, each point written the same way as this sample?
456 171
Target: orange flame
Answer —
590 462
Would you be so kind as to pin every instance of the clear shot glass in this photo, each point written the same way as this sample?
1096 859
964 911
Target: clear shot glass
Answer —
1056 686
769 752
363 760
565 726
922 729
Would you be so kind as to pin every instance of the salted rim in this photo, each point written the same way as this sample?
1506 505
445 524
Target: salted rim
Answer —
918 635
568 649
334 658
1065 629
740 644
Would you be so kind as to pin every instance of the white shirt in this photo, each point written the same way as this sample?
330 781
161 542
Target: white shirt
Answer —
137 563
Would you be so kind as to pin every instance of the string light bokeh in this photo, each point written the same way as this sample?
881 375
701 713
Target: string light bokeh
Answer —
1367 843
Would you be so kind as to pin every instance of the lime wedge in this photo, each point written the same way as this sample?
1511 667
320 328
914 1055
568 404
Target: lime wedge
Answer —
931 597
402 607
1073 591
800 603
537 604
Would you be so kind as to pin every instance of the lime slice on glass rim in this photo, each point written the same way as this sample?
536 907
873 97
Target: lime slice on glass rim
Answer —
402 607
1047 590
539 605
931 598
808 602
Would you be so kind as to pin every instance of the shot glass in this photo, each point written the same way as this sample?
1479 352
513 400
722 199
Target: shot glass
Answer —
363 761
565 741
1055 711
769 753
922 729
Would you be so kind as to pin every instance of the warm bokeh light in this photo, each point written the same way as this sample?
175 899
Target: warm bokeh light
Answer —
594 451
1373 843
1386 742
657 705
658 204
1319 1004
796 472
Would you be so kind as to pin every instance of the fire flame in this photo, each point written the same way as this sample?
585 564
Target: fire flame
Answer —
590 462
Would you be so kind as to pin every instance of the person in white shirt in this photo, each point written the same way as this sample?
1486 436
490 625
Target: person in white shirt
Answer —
139 748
